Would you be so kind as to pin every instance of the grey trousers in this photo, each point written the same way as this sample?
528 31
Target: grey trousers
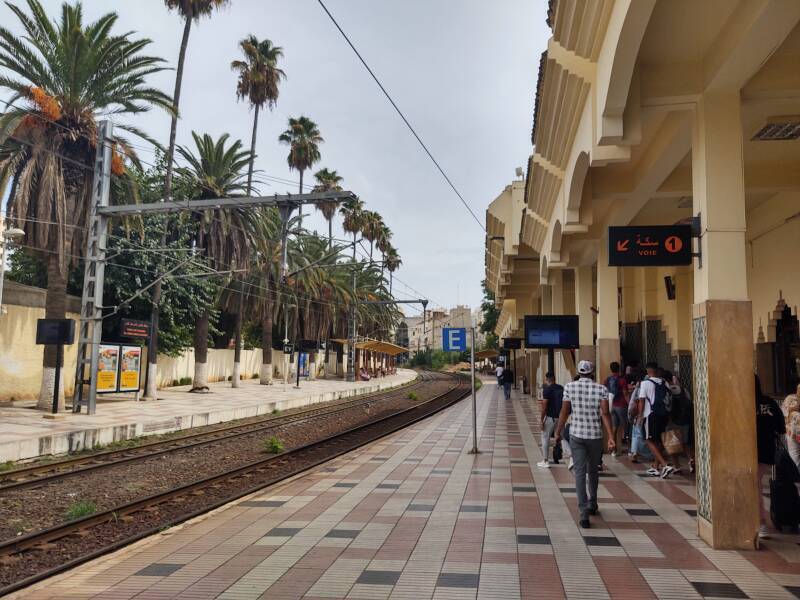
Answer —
547 430
587 455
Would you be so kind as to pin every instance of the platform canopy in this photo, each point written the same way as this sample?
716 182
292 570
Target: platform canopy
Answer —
382 347
484 354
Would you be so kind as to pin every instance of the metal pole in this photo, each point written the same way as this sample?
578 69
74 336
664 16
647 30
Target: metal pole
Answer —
57 382
351 350
91 329
474 400
2 266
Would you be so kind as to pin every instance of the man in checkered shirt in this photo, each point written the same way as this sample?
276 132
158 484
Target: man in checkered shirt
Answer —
587 401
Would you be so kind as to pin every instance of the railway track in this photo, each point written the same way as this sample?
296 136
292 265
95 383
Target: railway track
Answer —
38 555
40 474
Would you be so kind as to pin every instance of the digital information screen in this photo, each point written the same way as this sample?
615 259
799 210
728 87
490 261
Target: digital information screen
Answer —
551 331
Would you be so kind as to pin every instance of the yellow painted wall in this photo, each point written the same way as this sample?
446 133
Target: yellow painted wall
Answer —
773 251
21 358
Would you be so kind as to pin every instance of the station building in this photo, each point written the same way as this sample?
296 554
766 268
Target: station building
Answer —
655 112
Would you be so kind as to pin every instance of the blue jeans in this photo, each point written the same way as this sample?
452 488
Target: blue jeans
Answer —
638 445
507 390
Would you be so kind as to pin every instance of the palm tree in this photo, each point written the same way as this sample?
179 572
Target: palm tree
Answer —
370 228
352 212
328 181
66 73
266 227
383 242
216 169
303 138
392 262
190 11
259 79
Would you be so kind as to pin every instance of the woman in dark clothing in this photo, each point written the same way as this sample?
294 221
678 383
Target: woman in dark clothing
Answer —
769 425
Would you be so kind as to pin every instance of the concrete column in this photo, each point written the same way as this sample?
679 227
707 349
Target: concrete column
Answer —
557 291
584 301
608 315
727 487
557 298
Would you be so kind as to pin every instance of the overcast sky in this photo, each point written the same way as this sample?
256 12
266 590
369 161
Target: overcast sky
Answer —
463 71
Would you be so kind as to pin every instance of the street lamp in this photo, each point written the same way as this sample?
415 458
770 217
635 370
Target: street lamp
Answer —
9 236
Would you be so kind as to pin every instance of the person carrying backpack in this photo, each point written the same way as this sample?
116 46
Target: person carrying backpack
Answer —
770 427
654 406
552 395
617 387
682 415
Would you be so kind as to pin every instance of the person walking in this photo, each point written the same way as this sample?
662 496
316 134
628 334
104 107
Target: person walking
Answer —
770 425
498 372
682 415
617 387
587 403
791 414
552 395
508 381
653 399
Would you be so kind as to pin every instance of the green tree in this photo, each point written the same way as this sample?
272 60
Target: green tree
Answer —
371 227
393 262
191 11
216 169
490 315
66 72
328 181
303 138
258 83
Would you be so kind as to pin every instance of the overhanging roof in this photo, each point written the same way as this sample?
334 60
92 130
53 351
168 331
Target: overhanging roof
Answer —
382 347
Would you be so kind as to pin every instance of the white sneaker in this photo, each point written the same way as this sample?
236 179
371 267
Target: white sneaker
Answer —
667 471
571 464
763 533
614 453
544 464
653 471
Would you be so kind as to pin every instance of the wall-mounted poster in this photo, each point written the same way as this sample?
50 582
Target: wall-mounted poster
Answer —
129 370
108 368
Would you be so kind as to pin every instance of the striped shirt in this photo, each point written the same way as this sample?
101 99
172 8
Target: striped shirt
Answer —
585 397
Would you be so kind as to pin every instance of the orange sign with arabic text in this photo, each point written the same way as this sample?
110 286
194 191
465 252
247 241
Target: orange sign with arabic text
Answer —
650 246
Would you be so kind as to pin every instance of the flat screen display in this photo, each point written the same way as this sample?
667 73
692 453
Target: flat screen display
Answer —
551 331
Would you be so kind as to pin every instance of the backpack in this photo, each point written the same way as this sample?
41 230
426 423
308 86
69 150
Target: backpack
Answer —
681 411
554 404
612 383
663 403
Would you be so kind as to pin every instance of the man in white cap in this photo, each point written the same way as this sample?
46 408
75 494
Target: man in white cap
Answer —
587 401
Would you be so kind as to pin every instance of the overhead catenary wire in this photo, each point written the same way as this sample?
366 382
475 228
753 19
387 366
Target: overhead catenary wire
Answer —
402 116
88 167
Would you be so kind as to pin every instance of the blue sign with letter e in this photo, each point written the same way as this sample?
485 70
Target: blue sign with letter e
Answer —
454 339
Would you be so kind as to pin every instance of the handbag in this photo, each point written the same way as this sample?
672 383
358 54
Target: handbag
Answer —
673 443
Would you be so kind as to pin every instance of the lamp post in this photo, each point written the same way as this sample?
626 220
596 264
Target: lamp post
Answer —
9 236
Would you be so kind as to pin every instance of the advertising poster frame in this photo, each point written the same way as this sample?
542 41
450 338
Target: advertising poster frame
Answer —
130 373
108 379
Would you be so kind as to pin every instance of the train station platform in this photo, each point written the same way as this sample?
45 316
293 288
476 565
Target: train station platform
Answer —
25 433
414 516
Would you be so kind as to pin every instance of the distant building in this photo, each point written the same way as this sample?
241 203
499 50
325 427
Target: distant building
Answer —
424 333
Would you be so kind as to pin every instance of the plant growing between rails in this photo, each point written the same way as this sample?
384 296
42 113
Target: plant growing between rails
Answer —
82 508
413 396
273 445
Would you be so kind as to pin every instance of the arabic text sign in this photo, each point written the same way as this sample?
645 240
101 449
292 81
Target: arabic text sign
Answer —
132 328
650 246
